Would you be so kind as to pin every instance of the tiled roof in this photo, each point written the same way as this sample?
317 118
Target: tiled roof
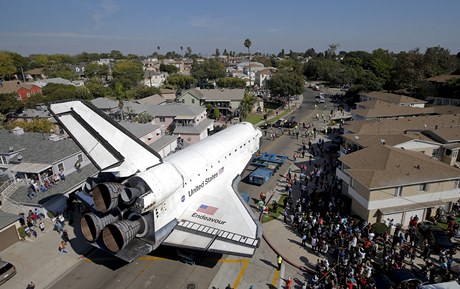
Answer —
218 94
153 99
172 110
377 108
390 139
162 142
193 129
37 147
444 134
383 166
399 125
7 219
393 98
11 86
139 129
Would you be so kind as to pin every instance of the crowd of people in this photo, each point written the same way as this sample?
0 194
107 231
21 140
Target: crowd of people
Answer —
350 252
32 222
47 182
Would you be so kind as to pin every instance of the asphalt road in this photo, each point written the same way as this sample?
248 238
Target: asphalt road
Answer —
162 269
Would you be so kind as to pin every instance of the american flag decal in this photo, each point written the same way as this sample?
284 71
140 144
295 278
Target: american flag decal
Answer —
207 209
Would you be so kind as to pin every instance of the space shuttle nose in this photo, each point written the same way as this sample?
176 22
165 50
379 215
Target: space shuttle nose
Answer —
117 235
92 225
105 196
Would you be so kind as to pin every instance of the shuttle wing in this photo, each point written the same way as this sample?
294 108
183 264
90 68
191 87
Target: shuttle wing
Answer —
219 220
108 145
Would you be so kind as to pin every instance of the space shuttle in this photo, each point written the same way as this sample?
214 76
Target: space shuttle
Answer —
139 200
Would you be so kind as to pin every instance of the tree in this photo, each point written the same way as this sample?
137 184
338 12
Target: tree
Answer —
210 69
217 54
7 67
96 70
9 103
169 68
408 70
127 73
247 104
188 52
285 83
437 60
181 81
381 64
216 113
310 53
231 82
143 117
97 89
247 44
116 54
330 53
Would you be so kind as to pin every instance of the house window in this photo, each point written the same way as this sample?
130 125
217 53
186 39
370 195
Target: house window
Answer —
193 101
398 191
61 167
457 184
448 152
162 119
80 158
423 187
4 161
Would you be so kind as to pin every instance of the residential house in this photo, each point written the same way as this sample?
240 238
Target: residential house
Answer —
23 90
387 183
226 100
24 93
400 125
35 73
449 137
9 225
40 112
188 122
79 70
397 99
166 144
261 76
148 133
155 99
57 80
154 78
434 89
39 158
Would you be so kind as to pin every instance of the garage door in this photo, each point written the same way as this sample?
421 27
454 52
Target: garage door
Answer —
409 214
8 238
397 218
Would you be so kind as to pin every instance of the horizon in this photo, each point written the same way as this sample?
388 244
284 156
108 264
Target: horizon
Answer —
132 28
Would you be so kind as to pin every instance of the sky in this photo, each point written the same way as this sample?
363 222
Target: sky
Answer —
140 26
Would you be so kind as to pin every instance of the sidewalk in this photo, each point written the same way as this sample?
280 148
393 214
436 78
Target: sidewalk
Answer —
37 259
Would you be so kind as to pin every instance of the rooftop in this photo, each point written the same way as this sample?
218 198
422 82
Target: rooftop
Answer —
383 166
392 98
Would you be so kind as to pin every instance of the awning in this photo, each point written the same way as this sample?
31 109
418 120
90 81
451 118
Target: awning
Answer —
30 168
411 207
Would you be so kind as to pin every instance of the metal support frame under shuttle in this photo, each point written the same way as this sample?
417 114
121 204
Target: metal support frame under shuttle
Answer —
188 199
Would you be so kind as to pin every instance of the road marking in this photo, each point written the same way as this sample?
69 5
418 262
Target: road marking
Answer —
282 271
233 260
275 277
151 258
237 282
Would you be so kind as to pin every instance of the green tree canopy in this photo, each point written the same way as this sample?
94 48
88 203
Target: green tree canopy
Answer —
169 68
127 73
9 103
96 70
7 66
231 82
181 81
210 69
285 83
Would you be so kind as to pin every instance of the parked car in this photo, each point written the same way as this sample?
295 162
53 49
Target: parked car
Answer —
400 278
7 270
436 237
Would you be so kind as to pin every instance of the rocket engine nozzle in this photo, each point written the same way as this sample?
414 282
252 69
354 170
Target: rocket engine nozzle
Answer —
118 234
105 196
92 225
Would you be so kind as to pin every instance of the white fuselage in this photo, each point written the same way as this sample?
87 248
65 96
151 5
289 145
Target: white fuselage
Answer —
185 174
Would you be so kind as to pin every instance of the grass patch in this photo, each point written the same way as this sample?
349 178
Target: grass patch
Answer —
274 215
254 118
280 115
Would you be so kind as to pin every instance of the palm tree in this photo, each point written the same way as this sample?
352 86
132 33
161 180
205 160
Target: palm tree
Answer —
247 44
